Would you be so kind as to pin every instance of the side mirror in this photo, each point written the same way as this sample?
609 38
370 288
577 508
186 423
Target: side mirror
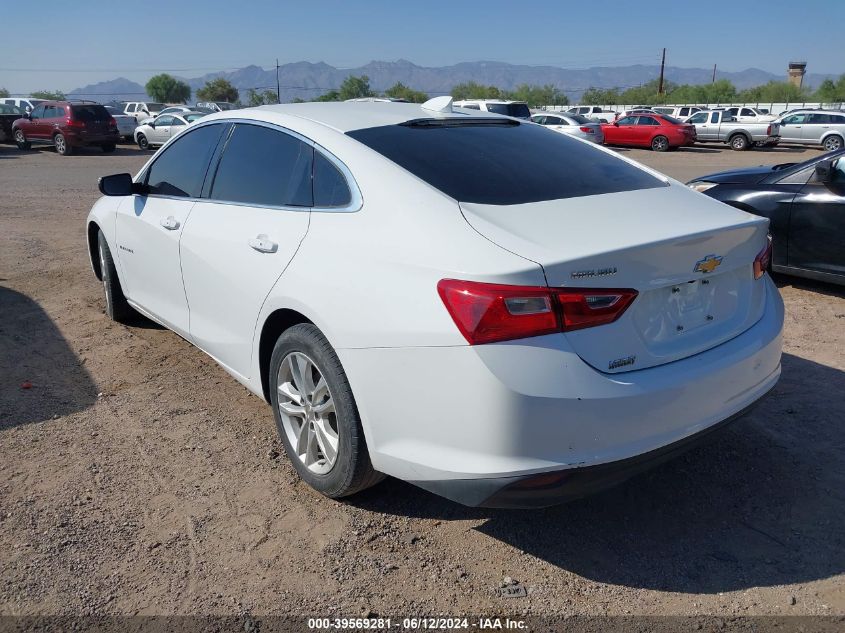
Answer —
824 170
120 185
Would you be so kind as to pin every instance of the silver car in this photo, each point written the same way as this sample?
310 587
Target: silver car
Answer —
814 127
159 130
126 124
572 124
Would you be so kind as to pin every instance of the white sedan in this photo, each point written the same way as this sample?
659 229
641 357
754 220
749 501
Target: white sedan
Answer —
500 315
572 124
158 131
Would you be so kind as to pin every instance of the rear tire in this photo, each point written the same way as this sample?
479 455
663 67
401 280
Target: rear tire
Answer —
21 142
739 142
833 143
660 144
303 356
62 147
108 148
143 143
117 308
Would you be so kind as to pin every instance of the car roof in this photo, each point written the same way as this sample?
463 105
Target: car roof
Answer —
346 116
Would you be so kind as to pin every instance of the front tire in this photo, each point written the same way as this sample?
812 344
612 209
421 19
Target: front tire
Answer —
833 143
143 143
316 414
660 144
62 147
117 308
739 142
21 142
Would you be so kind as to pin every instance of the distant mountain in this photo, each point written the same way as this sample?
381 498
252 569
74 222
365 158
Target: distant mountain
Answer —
120 89
307 80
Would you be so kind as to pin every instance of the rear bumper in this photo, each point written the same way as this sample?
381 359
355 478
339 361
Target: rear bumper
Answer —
75 138
555 487
473 422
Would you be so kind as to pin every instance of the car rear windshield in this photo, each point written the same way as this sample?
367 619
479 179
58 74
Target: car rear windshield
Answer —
672 119
579 119
510 109
502 162
90 113
155 107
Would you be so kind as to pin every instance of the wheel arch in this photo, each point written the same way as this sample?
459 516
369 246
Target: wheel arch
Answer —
92 230
274 325
832 133
740 133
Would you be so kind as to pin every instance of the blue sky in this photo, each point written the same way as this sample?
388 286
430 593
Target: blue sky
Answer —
99 40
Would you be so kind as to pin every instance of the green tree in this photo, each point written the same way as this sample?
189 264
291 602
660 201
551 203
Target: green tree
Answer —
49 95
782 91
831 91
355 88
722 91
4 92
255 98
600 96
536 96
331 95
167 89
401 91
218 90
647 93
473 90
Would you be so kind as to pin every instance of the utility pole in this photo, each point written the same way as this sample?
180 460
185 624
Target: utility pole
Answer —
662 66
714 74
278 87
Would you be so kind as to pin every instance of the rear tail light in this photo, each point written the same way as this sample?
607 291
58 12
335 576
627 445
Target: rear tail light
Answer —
588 130
486 313
769 130
763 259
112 122
74 123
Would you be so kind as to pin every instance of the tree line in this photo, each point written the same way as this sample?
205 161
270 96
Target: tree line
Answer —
168 89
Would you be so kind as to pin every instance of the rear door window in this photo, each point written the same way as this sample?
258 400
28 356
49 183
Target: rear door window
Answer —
502 162
265 167
179 170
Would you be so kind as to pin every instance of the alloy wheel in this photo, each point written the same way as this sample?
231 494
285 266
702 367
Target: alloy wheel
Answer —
19 137
832 143
660 144
61 146
308 412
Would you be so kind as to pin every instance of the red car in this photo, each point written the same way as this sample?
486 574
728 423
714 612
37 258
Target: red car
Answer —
67 125
660 132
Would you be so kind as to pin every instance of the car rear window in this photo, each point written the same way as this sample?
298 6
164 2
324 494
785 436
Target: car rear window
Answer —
502 162
579 119
510 109
671 119
90 113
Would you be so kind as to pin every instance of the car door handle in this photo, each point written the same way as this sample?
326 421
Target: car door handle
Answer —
263 244
170 223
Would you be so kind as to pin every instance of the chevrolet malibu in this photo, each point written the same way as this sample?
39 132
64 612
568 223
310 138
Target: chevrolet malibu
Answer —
499 315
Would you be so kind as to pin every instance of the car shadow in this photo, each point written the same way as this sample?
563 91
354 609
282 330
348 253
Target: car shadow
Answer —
700 150
40 375
820 287
761 504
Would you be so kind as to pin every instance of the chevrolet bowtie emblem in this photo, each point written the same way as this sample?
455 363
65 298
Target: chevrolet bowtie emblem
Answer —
708 264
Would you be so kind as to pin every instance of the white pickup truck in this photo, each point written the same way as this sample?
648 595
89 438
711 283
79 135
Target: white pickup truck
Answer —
593 112
718 126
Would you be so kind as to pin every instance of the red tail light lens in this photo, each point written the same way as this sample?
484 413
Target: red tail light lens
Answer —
769 130
582 308
486 313
74 123
763 259
588 130
112 122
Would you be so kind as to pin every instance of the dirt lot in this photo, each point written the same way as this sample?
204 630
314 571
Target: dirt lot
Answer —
136 477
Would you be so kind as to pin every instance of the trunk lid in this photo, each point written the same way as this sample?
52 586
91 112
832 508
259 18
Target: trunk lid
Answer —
689 257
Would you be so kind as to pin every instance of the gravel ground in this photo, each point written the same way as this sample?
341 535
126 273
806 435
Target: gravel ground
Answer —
136 477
